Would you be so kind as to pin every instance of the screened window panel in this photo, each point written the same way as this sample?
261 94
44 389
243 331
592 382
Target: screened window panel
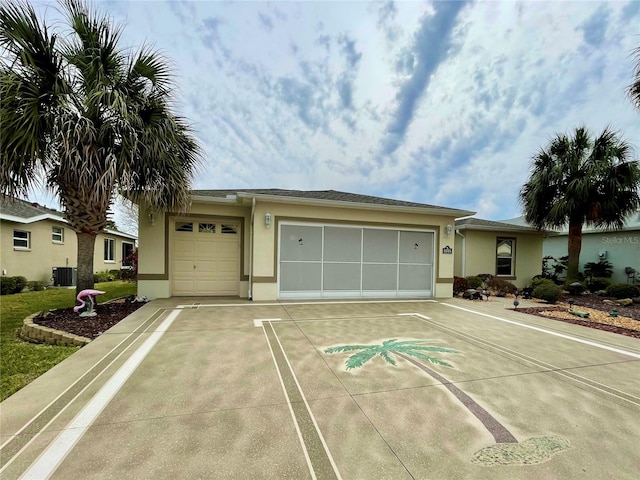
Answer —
416 247
414 277
342 244
300 242
342 276
380 246
379 277
295 277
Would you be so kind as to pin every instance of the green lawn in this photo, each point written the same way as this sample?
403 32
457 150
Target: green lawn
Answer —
21 362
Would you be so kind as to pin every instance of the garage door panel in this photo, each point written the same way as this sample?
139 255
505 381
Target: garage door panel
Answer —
183 266
416 247
341 276
379 277
380 245
342 244
301 243
301 276
415 277
184 246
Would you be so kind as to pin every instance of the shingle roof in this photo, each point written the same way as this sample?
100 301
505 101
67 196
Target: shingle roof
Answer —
327 195
479 224
25 209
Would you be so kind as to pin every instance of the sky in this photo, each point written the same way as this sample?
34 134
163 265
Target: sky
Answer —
442 103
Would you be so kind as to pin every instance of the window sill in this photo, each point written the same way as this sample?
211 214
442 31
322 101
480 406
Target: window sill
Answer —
55 242
507 277
21 249
109 261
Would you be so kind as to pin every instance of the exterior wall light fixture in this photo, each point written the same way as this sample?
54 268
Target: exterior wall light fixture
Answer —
267 219
448 230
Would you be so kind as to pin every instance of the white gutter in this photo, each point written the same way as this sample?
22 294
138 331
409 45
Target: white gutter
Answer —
463 272
253 208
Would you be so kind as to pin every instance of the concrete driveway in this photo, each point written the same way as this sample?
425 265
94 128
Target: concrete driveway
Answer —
449 389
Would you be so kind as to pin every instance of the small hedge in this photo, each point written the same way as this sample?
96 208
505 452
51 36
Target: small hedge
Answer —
622 290
501 287
537 281
460 285
548 291
473 281
36 285
10 285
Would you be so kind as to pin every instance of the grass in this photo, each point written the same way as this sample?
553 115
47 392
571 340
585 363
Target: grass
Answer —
21 362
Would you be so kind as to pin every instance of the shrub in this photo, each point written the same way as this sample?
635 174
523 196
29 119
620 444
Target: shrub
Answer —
549 292
473 281
105 276
501 287
35 285
602 268
575 288
460 284
7 285
622 290
596 284
537 281
21 284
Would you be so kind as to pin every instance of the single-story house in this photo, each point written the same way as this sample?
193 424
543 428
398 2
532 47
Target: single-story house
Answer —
36 239
278 244
621 248
511 252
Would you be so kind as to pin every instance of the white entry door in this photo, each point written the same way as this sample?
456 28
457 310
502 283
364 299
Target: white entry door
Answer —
352 261
205 258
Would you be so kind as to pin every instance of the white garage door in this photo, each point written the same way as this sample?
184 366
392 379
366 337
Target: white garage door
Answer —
343 261
205 258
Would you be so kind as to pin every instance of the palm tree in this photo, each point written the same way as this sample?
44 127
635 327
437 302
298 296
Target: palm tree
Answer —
90 118
578 180
633 90
507 451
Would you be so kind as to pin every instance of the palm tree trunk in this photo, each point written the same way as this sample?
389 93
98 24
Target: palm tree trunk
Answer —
86 247
499 431
573 250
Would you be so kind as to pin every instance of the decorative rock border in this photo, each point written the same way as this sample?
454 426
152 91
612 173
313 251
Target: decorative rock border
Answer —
32 332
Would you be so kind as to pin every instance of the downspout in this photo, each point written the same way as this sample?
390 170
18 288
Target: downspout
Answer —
464 254
253 208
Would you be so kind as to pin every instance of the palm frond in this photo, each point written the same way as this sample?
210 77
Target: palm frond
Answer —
359 359
346 348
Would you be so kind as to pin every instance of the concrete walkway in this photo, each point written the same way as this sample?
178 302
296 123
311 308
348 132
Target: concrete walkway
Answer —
204 388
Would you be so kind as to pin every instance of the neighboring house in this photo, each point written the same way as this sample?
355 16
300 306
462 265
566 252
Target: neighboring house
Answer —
35 239
511 252
278 244
621 248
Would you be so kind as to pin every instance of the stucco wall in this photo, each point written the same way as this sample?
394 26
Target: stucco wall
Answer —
622 250
480 255
155 241
44 253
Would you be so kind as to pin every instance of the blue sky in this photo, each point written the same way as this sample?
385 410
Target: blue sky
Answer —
436 102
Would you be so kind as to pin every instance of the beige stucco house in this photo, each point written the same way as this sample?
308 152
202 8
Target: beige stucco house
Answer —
511 252
281 244
35 239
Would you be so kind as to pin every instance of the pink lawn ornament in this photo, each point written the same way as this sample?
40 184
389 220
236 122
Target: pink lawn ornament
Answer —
87 299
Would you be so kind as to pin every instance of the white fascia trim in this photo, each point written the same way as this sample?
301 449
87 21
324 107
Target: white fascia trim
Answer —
500 229
206 199
38 218
443 211
120 234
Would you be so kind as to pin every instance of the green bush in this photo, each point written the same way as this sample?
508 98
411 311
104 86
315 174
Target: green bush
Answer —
537 281
105 276
501 287
21 284
549 292
36 285
460 285
602 268
622 290
596 284
473 281
7 285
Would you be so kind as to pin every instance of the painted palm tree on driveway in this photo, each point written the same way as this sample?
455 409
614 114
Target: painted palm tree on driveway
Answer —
508 450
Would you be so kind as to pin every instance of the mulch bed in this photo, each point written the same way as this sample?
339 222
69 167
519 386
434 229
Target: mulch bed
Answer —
108 314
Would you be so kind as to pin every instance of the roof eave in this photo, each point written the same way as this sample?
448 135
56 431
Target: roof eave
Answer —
37 218
489 228
443 211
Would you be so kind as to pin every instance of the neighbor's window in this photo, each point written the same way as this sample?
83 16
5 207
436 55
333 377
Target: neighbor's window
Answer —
109 250
57 234
505 253
21 239
127 254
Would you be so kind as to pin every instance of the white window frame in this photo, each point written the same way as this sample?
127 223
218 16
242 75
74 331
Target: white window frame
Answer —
133 249
57 236
22 239
109 248
512 272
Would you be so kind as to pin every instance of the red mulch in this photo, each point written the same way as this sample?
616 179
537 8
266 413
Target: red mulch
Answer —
108 314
